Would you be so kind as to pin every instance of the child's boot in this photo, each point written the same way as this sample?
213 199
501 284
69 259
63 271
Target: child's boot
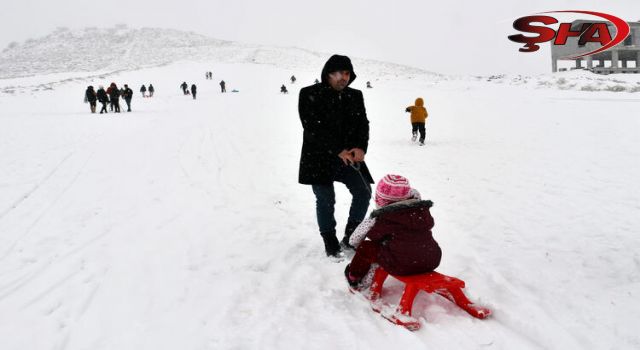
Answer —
353 282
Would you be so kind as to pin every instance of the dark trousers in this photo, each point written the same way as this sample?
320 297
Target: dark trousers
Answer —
104 107
326 199
128 101
415 127
194 95
366 254
115 103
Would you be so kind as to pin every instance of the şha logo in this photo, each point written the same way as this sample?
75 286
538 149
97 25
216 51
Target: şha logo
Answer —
597 32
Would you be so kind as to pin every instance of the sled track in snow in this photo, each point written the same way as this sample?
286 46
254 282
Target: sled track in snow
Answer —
28 194
51 204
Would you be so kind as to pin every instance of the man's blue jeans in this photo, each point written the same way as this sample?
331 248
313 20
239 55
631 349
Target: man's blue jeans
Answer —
326 199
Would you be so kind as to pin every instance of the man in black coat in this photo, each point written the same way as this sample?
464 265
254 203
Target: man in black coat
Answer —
336 136
127 95
114 97
194 90
103 98
91 97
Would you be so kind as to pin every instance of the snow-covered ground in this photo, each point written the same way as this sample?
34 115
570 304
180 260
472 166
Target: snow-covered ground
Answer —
579 79
181 225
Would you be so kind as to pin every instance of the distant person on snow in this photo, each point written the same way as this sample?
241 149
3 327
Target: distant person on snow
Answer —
184 87
223 86
151 90
283 89
317 82
335 140
293 79
418 118
369 85
398 234
127 95
102 98
193 90
90 96
114 97
143 90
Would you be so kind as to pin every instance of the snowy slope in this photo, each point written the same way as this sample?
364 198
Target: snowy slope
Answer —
181 225
121 48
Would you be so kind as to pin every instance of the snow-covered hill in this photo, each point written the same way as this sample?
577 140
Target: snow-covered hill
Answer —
181 225
120 48
67 55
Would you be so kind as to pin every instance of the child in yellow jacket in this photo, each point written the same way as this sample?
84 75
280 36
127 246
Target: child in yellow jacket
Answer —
418 118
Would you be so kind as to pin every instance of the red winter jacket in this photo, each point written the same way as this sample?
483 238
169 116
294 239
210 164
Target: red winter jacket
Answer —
404 231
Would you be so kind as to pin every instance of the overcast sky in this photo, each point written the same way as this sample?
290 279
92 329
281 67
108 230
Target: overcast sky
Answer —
467 37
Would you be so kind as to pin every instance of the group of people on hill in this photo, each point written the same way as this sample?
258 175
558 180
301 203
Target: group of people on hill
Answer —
283 88
151 90
223 85
397 235
186 91
111 96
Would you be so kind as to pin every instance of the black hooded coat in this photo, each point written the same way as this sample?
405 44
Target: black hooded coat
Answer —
332 121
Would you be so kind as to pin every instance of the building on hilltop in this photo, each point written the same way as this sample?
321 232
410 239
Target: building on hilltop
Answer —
622 58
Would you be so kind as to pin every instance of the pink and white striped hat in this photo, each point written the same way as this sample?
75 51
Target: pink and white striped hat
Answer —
392 188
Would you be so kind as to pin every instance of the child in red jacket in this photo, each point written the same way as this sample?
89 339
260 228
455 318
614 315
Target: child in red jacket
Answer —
398 232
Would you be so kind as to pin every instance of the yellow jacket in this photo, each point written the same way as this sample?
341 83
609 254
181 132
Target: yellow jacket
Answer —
418 112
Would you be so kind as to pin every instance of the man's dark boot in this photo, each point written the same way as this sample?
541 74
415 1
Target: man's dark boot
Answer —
331 244
348 231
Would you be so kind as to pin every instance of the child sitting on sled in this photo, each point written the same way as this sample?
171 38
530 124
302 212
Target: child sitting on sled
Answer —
397 235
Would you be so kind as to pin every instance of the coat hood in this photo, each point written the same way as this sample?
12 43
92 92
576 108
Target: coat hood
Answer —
336 63
419 102
402 205
411 213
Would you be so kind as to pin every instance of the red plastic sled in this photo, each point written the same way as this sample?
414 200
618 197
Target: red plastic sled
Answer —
433 282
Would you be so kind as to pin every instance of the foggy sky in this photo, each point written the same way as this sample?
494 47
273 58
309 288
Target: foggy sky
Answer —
467 37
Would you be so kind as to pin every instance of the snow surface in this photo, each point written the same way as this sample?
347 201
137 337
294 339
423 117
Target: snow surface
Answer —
181 225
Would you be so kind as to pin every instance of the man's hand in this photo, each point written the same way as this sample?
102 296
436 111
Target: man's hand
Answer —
347 157
358 154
